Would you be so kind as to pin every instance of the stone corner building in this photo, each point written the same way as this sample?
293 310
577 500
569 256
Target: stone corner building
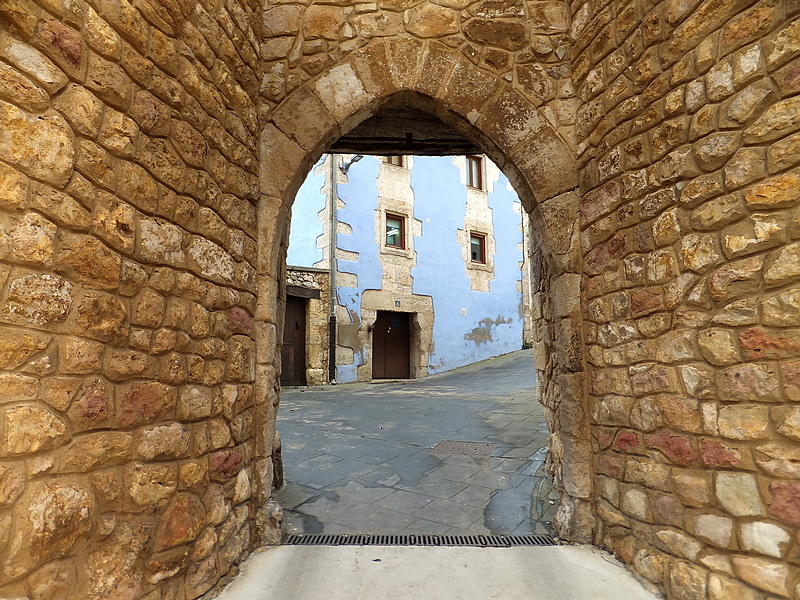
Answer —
149 154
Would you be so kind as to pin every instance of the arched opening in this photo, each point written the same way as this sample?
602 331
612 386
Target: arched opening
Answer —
539 164
432 243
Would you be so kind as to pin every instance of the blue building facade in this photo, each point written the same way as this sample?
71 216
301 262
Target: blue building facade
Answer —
432 245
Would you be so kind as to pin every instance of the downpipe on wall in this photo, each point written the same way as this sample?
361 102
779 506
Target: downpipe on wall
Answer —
334 226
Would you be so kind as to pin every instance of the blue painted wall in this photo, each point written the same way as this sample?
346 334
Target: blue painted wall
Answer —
492 325
441 199
305 226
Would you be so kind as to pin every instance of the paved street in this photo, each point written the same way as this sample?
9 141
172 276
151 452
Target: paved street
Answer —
358 457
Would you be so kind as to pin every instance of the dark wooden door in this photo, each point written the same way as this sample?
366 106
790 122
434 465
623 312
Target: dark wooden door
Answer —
293 351
391 346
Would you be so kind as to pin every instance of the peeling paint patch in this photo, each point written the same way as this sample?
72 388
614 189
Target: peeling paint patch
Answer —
483 333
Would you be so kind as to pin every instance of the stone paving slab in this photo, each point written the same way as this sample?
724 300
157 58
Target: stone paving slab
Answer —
414 573
358 456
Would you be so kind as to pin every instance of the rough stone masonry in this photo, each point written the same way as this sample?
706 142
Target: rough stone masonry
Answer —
149 154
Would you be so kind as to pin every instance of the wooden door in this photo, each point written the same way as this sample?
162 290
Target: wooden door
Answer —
391 346
293 351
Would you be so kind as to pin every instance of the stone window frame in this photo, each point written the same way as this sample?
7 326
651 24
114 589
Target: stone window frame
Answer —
475 172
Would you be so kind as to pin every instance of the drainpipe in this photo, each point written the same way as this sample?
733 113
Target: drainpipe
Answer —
334 224
333 199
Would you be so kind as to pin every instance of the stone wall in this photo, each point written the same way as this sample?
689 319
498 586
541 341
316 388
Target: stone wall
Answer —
687 148
149 154
317 320
128 182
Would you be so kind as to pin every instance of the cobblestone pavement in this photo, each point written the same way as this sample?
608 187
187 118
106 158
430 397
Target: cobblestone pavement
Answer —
358 456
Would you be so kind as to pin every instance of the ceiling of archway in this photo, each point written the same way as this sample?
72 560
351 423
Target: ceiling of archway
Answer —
404 131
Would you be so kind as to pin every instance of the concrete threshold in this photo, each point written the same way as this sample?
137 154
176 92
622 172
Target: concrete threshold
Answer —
406 573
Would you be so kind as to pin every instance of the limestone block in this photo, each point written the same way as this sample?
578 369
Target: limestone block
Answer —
743 422
30 240
765 538
750 101
305 119
719 346
719 211
722 588
59 207
164 441
196 402
39 145
765 574
736 279
119 133
31 61
699 252
756 233
679 543
81 109
787 418
80 356
109 82
699 189
678 449
150 486
145 402
687 581
224 464
102 317
776 122
93 451
163 162
636 503
86 259
785 503
152 115
160 241
783 153
746 166
719 81
60 517
109 566
190 143
546 164
210 260
738 494
30 428
100 36
38 299
183 521
779 459
714 150
693 487
715 529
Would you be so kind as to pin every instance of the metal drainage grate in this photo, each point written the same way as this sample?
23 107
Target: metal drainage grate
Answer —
367 539
451 448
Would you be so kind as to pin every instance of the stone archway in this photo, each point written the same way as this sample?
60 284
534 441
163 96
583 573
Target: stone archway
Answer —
517 136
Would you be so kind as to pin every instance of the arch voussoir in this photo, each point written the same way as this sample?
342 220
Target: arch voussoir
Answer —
317 128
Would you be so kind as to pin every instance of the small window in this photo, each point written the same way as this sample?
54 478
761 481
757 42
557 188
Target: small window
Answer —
395 231
477 247
475 172
397 161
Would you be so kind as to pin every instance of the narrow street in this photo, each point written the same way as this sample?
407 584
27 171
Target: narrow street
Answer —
363 458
